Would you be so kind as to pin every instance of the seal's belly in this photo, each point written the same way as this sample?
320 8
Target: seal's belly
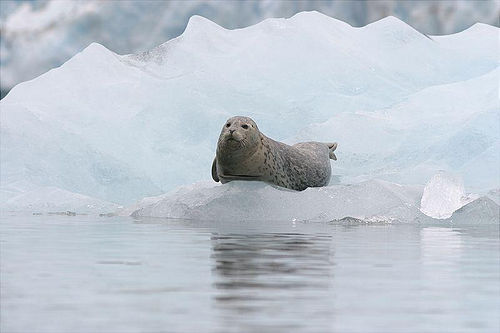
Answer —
224 178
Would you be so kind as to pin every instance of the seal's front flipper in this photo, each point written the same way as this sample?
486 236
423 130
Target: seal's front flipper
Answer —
331 148
214 170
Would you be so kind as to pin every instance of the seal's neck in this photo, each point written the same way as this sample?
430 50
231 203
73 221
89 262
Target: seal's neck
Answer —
236 155
231 154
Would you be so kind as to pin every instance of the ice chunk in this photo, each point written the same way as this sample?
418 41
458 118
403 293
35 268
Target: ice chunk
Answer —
51 199
128 210
494 195
443 194
239 200
480 211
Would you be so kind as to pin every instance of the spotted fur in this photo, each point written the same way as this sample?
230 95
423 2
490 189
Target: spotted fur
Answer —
244 153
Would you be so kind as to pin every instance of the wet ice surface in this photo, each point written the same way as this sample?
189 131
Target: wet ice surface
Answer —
83 274
371 201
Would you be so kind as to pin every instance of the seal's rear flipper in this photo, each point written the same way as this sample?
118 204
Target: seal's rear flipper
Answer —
332 147
214 171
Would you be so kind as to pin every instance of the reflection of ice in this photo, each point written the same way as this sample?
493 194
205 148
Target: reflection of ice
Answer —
374 278
245 277
440 246
441 276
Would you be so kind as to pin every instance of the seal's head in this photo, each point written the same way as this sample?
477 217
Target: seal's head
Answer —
239 135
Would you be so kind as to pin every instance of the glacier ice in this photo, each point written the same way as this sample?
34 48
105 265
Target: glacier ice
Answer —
117 128
60 29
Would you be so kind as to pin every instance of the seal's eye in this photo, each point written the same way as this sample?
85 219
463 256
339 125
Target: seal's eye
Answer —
244 126
228 124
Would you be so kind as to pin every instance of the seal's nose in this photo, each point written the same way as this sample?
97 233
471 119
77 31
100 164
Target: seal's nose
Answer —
231 131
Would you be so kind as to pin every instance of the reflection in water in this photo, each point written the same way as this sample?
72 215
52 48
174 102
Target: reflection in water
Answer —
441 257
62 274
440 245
263 275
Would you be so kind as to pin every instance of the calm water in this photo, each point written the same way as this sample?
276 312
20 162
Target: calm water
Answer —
89 274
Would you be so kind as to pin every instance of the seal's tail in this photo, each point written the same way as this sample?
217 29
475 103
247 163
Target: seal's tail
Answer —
332 147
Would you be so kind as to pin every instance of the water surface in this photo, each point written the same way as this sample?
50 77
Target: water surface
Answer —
99 274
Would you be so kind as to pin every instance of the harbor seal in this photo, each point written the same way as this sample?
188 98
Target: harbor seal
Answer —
244 153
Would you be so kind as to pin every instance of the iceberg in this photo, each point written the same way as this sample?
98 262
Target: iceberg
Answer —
60 29
401 105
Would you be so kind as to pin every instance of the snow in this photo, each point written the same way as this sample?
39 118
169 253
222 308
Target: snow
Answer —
401 105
